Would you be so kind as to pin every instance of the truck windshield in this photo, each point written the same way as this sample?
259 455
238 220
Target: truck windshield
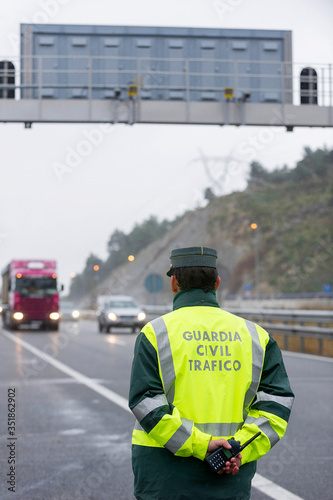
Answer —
36 287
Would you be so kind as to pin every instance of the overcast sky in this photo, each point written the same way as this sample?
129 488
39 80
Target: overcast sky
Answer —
141 170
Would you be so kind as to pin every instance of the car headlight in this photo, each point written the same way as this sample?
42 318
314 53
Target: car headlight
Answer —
54 315
112 316
75 314
141 316
18 316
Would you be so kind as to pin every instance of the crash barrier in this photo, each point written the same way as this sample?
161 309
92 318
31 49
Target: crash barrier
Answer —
307 331
88 314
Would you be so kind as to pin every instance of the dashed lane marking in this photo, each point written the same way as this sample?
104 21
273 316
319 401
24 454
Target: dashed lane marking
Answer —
272 490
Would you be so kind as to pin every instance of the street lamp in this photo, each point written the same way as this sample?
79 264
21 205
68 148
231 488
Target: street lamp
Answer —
254 226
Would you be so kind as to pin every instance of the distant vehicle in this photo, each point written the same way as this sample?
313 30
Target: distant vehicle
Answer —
30 294
68 311
120 311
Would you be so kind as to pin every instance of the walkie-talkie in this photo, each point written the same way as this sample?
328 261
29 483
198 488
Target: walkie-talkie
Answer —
221 456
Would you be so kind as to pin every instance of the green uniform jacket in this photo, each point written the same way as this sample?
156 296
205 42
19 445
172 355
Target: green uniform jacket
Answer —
168 474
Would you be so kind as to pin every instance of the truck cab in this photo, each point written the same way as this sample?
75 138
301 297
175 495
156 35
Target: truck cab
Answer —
30 294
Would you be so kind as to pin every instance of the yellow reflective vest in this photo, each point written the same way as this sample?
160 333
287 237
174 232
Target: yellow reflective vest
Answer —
213 378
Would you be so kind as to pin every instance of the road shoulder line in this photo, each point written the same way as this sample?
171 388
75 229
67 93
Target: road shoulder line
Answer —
83 379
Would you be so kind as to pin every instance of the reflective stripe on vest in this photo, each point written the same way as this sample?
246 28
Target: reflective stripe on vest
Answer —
179 438
165 357
214 429
142 409
217 429
265 427
257 361
281 400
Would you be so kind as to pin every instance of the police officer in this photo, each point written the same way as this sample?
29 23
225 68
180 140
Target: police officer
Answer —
201 375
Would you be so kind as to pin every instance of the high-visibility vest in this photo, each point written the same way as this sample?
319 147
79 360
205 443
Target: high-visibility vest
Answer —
210 378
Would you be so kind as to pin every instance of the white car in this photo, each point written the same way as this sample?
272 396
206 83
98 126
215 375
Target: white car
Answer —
120 311
68 311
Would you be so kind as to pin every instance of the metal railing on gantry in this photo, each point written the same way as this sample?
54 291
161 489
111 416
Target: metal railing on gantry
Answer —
182 80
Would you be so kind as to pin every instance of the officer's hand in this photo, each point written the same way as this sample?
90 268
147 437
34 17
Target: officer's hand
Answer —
231 467
214 444
234 466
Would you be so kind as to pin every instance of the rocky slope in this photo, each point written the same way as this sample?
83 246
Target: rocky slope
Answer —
293 242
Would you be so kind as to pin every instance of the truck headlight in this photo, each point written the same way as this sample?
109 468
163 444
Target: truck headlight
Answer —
75 314
18 316
141 316
112 316
54 316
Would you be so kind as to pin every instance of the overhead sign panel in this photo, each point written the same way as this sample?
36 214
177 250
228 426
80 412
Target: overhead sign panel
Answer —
166 64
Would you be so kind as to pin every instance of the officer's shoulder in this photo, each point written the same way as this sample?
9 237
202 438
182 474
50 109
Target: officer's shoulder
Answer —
242 320
232 316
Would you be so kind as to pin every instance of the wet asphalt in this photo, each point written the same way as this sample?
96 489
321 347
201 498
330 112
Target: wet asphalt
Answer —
71 443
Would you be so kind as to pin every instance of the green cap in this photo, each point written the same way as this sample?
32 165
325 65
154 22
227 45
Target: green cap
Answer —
192 257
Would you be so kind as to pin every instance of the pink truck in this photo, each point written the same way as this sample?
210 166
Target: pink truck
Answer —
30 294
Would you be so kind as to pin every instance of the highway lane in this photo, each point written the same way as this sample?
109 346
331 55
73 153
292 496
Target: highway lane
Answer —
71 443
302 461
74 443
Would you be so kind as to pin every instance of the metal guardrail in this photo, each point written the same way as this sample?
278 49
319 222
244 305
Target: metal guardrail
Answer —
278 296
298 317
265 318
283 315
101 77
275 321
299 328
90 314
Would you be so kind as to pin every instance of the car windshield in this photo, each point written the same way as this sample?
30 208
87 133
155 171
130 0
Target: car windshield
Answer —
121 304
67 306
36 287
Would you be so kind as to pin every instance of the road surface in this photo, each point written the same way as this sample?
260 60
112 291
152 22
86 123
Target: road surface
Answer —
71 429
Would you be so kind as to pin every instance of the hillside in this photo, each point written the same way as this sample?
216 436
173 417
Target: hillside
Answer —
293 212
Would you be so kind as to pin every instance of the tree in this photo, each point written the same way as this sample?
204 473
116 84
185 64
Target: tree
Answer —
209 194
258 174
92 274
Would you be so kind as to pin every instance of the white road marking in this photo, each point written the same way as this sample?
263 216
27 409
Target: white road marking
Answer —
83 379
72 432
272 490
113 340
259 482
